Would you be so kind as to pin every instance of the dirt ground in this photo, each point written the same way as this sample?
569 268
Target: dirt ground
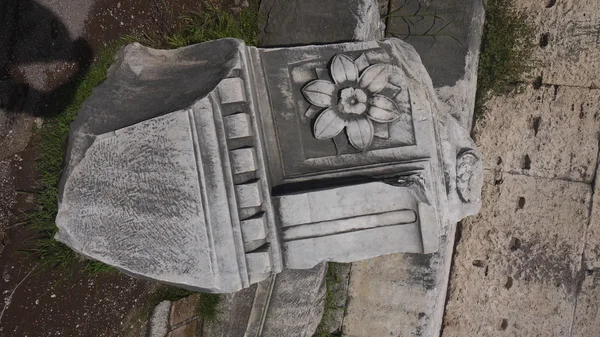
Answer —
43 45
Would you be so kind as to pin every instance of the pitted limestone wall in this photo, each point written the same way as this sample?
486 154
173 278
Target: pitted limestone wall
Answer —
527 265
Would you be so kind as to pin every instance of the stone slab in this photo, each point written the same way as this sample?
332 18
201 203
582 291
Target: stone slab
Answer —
187 330
587 311
296 303
567 39
549 132
301 22
447 35
233 314
184 309
159 321
388 296
518 263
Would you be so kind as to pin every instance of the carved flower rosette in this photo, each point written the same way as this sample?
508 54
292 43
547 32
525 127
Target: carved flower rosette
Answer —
352 101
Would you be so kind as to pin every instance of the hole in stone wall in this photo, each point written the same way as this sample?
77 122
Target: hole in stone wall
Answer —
590 272
544 40
538 82
504 324
536 125
499 161
509 282
514 244
478 263
521 202
526 163
550 3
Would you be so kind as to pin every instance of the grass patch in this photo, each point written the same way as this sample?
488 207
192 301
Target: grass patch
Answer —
53 136
331 279
199 26
505 59
210 23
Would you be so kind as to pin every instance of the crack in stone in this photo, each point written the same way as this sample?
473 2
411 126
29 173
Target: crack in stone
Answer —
582 267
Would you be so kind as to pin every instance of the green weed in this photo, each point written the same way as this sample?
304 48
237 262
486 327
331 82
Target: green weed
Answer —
331 279
505 59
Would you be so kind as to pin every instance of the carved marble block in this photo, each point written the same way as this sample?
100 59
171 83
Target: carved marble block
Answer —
214 166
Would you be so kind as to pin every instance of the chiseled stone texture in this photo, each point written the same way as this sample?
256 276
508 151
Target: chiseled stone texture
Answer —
549 132
517 266
296 304
567 33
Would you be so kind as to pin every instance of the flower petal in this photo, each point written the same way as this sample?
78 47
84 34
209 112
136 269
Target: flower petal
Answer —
328 124
319 93
360 132
343 69
383 109
359 108
374 78
362 62
346 93
360 95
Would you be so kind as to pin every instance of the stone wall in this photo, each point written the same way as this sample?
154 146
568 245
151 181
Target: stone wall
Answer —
527 264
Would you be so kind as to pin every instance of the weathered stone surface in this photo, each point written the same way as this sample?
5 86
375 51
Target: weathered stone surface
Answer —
163 193
233 314
299 22
389 296
587 311
550 132
159 321
301 277
187 330
184 309
567 39
518 262
446 34
592 243
586 321
296 303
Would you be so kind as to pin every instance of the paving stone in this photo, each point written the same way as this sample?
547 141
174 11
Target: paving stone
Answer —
592 247
233 313
516 270
298 22
567 35
587 312
451 28
386 296
159 322
188 330
184 309
550 132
